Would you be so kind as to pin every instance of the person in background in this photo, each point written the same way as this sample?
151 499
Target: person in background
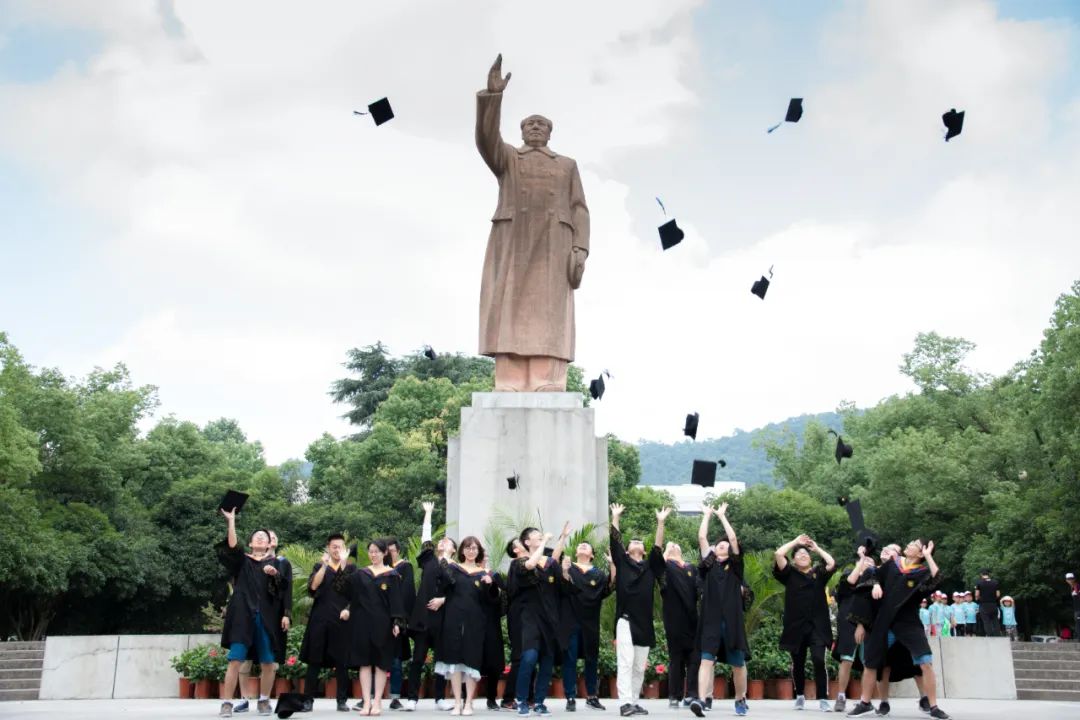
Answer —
958 624
924 616
971 613
937 614
1074 589
1008 618
405 571
988 594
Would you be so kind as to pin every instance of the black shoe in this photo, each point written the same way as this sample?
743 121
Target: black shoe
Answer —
343 706
708 703
571 705
508 705
492 705
638 710
395 704
883 708
861 708
924 704
308 704
358 706
626 710
697 707
594 703
240 707
936 712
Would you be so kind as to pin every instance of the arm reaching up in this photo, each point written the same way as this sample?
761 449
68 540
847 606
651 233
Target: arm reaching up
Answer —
703 530
721 512
661 516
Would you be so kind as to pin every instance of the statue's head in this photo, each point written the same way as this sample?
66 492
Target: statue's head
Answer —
536 130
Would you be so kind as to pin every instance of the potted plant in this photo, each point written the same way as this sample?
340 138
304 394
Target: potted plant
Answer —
756 671
205 664
721 677
607 666
653 672
181 664
778 681
329 681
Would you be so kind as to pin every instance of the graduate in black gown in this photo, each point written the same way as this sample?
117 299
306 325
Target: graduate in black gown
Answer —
252 617
807 626
634 634
327 639
721 632
404 569
281 575
853 580
679 592
381 618
515 549
583 589
900 584
494 659
468 588
425 622
538 597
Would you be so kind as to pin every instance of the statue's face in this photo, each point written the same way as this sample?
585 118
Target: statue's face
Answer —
536 130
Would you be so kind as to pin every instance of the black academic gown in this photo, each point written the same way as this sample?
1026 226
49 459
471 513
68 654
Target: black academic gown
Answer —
538 600
846 598
679 593
494 649
805 610
579 607
377 605
251 594
282 588
633 592
422 620
721 600
899 611
327 639
405 572
465 621
513 610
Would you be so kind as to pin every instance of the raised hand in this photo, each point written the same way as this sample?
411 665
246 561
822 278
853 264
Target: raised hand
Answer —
706 509
565 530
429 507
325 560
928 551
496 83
617 509
229 515
722 510
547 538
662 514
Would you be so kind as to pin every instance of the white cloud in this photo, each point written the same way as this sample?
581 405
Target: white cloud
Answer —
264 229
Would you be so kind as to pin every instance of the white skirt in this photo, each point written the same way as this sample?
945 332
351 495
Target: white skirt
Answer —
448 669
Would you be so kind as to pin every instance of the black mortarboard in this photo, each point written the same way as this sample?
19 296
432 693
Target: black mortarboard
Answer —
854 513
843 450
760 287
596 387
868 539
670 234
704 473
233 500
513 481
794 113
429 353
690 428
954 123
380 111
289 703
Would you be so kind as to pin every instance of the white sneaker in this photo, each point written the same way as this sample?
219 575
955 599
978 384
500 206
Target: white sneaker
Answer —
409 705
444 704
800 702
824 705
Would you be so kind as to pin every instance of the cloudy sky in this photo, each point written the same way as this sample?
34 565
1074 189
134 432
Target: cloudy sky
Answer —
184 188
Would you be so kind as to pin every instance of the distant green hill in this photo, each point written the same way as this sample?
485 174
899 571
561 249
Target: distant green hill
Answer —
670 464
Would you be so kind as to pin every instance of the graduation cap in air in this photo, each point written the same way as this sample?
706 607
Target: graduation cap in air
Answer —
690 429
289 703
379 110
596 387
233 500
513 481
867 538
429 352
794 113
843 450
954 123
704 472
670 233
760 287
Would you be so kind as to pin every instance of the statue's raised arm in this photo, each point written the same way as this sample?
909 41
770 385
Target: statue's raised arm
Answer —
488 116
496 82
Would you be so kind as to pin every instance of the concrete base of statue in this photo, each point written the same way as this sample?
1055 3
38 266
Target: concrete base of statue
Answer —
547 439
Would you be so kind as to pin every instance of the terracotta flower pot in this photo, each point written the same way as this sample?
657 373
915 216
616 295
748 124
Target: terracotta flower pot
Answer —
810 689
854 688
355 689
251 687
779 689
581 690
205 689
834 688
755 689
651 690
613 687
298 684
281 685
556 690
331 688
185 688
719 688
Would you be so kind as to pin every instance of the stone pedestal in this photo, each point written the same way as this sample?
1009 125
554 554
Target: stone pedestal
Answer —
549 440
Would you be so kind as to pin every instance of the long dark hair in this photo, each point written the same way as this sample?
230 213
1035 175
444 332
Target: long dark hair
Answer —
471 540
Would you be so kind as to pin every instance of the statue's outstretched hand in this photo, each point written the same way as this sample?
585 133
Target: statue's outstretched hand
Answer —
496 82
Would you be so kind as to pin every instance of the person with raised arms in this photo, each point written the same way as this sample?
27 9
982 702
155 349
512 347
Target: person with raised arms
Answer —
584 587
679 592
634 634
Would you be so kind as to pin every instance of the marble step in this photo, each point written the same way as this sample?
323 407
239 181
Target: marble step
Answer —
1059 695
21 684
12 695
1046 684
37 655
1047 655
19 664
21 645
1047 647
19 673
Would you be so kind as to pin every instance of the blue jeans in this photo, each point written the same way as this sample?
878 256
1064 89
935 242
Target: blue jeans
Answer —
395 678
264 651
529 659
569 668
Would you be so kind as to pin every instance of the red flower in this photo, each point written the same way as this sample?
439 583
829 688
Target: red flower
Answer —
661 668
213 652
291 661
506 670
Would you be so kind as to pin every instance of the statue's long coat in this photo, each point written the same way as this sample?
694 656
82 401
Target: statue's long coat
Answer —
526 301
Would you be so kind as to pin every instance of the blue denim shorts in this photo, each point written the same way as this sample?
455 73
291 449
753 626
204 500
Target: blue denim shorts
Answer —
264 651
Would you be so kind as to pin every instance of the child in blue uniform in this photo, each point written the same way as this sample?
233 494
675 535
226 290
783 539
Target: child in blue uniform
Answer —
1008 618
924 617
